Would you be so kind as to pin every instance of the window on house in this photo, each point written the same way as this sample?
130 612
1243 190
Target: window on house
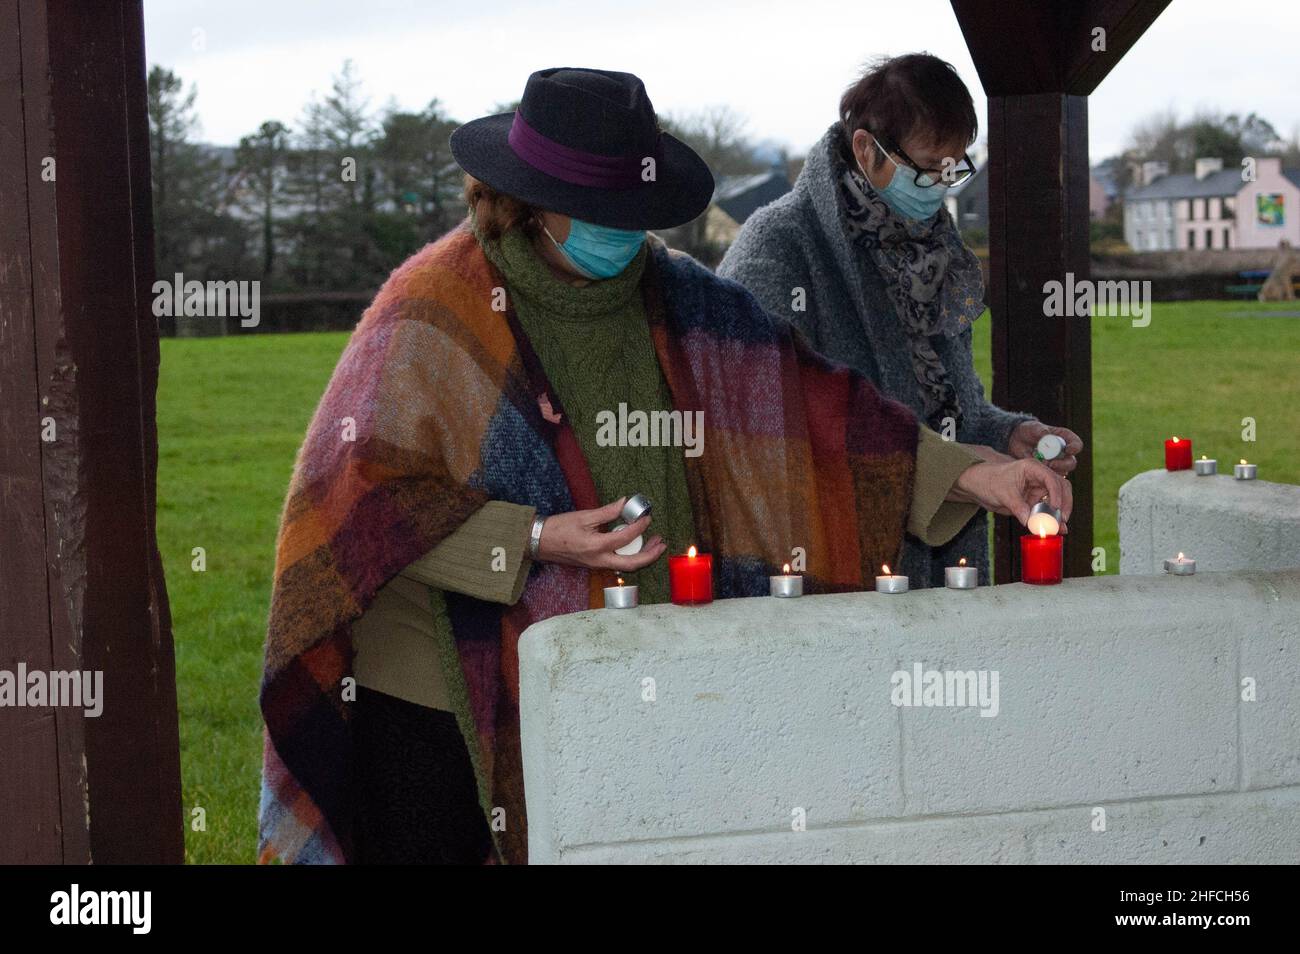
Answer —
1227 238
1209 238
1191 238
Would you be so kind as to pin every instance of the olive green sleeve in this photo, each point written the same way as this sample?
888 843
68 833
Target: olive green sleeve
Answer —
486 557
939 463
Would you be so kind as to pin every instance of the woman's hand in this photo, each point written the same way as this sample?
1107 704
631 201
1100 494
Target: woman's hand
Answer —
578 538
1024 441
1013 488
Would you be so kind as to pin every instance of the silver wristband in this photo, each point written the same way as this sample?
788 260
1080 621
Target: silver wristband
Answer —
535 536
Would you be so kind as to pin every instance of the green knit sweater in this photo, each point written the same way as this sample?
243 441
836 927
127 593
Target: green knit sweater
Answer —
594 344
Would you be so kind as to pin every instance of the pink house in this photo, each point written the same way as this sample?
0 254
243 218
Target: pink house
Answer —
1268 209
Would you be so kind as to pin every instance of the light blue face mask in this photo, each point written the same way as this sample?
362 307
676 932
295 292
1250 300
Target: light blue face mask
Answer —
598 251
904 196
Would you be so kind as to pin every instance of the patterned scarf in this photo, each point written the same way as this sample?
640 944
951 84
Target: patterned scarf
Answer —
933 279
442 390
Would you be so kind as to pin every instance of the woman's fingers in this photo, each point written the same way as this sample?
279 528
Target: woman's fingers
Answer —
1064 465
626 564
606 514
618 539
1073 442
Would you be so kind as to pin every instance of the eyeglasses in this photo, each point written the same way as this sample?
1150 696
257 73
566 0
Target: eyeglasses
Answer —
925 178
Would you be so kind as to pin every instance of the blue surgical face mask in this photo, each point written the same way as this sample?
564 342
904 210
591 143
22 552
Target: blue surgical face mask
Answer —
904 196
598 251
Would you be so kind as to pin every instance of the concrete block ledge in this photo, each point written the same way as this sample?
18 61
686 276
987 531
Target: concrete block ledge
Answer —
713 733
1224 524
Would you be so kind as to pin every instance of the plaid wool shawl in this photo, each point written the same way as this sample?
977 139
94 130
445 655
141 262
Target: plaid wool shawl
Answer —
433 410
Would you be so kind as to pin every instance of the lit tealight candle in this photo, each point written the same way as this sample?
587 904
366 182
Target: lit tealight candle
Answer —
890 582
961 576
787 584
1183 566
1178 453
621 596
1207 467
1044 520
1244 471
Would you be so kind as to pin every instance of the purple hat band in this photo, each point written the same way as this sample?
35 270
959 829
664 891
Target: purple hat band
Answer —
572 165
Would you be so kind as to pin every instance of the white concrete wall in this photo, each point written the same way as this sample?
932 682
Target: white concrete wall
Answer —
1119 693
1223 524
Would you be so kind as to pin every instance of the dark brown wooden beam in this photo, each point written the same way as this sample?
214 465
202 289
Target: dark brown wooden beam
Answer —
81 348
1021 47
41 816
1038 233
1124 22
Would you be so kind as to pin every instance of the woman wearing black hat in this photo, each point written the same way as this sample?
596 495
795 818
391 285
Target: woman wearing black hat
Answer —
510 387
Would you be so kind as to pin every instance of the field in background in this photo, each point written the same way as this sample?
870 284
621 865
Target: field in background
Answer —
232 411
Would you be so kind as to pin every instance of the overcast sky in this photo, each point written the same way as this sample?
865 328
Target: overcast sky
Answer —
780 64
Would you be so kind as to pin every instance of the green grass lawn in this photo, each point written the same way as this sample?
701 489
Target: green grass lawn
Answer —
232 411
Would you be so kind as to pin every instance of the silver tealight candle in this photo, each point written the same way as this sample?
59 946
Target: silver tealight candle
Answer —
622 597
1044 520
786 584
1244 471
634 509
1182 566
890 582
1206 466
961 576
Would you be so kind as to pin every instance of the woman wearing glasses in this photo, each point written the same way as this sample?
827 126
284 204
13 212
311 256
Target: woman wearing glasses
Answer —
863 258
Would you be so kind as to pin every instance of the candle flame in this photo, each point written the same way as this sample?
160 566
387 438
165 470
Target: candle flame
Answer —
786 569
1243 460
1203 457
620 581
1042 533
961 562
885 567
691 550
1181 558
1175 440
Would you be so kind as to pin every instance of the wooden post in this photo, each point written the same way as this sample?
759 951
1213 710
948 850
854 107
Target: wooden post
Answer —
82 585
1038 62
1038 232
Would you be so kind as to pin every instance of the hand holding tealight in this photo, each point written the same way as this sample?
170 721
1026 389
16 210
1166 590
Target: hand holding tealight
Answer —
1058 447
578 538
1014 488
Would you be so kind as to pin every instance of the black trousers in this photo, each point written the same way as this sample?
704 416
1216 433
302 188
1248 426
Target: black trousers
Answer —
417 799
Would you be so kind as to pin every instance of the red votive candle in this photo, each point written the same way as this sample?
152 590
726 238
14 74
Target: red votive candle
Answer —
1040 558
1178 453
690 578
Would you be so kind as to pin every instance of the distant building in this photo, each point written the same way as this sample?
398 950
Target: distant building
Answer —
736 198
1103 187
1268 209
1213 208
968 201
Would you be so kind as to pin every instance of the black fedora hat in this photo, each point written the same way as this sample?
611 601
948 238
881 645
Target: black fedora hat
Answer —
586 143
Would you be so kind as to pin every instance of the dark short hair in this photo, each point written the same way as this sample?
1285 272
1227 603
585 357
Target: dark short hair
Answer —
914 94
